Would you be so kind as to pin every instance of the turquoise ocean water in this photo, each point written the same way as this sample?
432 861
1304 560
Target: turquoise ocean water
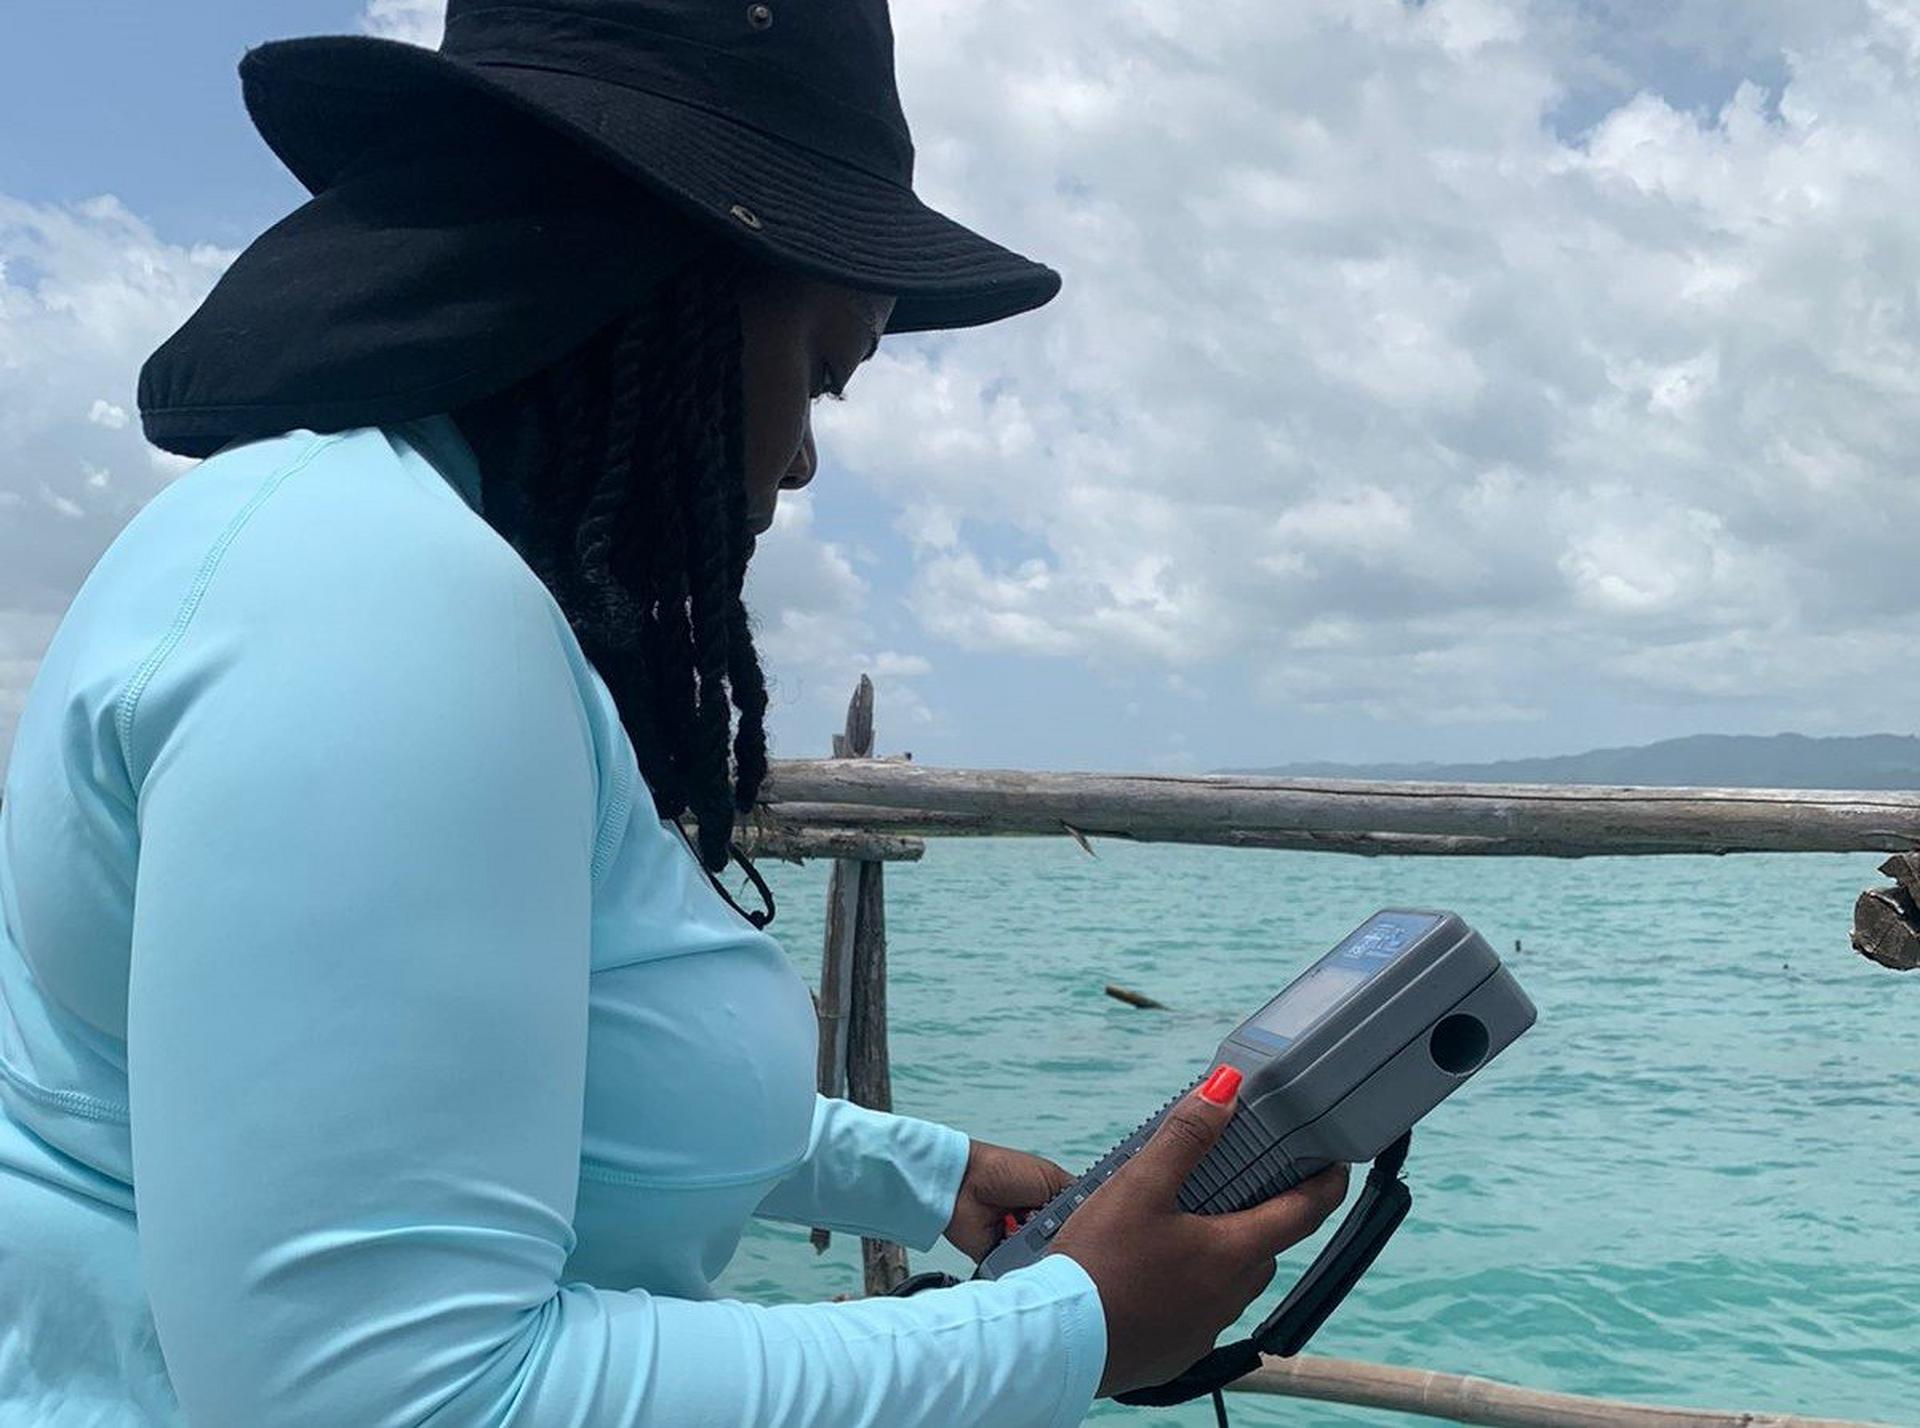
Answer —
1696 1181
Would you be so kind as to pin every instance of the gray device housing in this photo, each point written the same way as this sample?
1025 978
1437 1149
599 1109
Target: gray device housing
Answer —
1370 1042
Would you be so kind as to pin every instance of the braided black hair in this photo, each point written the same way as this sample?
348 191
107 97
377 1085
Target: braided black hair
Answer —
617 472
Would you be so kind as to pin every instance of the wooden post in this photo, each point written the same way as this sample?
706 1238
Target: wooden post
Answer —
853 990
853 987
869 1073
1886 921
835 1001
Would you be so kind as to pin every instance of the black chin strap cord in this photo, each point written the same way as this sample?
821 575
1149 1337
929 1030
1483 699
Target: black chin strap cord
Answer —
761 916
1383 1203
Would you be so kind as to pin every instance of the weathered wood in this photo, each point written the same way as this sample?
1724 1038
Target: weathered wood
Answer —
836 977
1904 869
1886 921
1462 1399
1886 928
869 1078
904 822
919 823
835 1000
908 822
1348 815
868 1068
1081 839
869 1072
833 1005
860 720
1134 999
796 845
869 1075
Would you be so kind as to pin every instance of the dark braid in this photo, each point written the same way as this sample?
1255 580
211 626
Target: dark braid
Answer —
617 472
749 685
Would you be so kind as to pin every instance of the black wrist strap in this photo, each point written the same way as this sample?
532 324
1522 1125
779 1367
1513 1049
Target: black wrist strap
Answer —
1383 1204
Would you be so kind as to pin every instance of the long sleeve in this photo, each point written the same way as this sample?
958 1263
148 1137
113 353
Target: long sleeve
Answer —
358 1005
873 1173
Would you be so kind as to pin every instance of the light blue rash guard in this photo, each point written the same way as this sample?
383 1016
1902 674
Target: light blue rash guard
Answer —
342 937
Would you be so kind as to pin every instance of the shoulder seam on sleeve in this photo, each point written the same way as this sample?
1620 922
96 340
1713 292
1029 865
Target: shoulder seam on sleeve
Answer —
614 824
126 705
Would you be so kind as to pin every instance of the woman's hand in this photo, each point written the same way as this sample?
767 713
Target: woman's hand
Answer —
1171 1281
999 1181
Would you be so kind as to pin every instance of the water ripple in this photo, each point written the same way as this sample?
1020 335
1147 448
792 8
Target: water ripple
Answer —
1693 1183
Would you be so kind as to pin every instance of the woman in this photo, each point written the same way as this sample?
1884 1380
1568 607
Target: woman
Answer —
349 925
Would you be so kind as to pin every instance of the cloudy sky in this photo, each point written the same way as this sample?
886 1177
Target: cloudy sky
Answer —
1439 380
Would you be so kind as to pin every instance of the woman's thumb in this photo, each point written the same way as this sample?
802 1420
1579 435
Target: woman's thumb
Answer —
1181 1140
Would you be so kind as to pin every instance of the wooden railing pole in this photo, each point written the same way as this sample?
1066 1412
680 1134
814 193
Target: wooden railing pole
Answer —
1460 1398
796 845
1569 821
853 989
869 1073
835 1002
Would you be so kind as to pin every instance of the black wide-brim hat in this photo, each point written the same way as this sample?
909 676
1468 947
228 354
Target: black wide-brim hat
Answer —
776 123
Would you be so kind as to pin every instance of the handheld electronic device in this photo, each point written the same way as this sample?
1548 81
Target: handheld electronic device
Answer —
1337 1067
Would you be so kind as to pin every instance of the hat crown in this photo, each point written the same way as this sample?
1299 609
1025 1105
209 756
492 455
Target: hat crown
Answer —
813 72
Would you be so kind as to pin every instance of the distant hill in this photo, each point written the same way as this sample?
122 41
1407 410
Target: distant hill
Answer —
1706 760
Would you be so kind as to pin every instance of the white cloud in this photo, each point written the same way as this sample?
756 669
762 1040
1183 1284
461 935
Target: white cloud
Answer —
418 22
1363 367
814 628
1440 362
86 290
895 665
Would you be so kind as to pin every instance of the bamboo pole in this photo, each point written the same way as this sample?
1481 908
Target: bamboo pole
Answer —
852 1005
918 824
869 1072
797 844
1346 815
836 978
835 1002
1463 1399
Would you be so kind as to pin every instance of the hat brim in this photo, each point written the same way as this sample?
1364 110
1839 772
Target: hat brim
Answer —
322 101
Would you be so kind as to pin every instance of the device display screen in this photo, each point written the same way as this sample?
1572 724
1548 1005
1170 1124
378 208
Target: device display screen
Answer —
1307 1000
1319 989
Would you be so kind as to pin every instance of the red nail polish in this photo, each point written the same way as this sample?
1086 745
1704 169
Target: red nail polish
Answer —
1221 1085
1013 1225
